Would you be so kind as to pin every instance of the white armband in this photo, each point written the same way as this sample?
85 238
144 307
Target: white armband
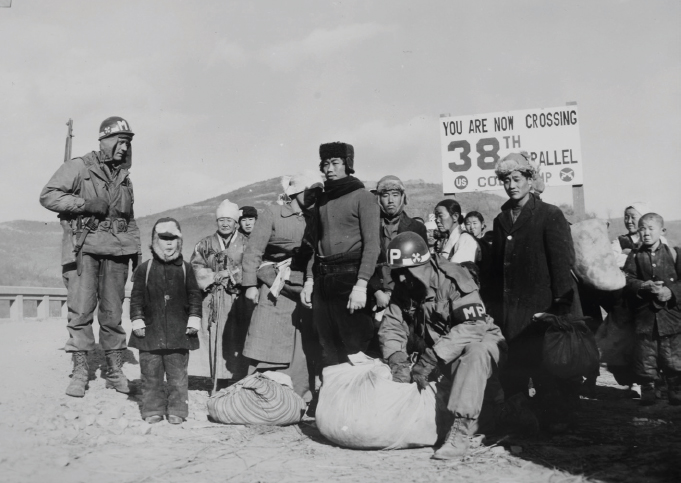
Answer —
138 324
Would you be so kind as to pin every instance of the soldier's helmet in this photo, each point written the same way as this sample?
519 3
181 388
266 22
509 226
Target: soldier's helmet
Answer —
114 125
407 250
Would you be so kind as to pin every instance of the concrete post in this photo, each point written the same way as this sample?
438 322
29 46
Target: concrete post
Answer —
16 308
44 308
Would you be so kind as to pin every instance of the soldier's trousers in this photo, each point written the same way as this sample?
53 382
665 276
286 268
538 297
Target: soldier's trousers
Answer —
102 280
478 351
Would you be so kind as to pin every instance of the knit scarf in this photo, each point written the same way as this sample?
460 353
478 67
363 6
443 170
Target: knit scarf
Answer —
336 188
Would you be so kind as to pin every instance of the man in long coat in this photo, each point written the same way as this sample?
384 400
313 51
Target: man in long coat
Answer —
280 335
93 196
226 313
533 255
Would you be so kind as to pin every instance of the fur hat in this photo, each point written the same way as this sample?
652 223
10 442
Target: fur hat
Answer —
227 209
338 150
516 162
299 182
248 212
389 183
167 229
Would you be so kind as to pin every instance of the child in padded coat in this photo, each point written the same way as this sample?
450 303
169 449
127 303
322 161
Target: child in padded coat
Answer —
654 292
165 309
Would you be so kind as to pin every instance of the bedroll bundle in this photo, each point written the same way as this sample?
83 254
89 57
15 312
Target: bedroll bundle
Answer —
257 399
569 348
595 263
361 407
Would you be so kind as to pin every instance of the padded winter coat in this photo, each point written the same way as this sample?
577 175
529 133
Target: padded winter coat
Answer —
165 302
531 263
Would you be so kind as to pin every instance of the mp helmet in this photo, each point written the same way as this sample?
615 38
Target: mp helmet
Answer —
407 249
114 125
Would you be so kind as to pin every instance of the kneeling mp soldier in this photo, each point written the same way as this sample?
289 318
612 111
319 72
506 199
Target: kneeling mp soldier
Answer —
437 314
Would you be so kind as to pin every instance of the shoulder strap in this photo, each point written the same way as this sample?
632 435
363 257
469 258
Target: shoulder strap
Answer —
146 277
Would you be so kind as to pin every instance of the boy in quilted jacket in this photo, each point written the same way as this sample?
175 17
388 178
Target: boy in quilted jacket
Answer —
654 292
165 309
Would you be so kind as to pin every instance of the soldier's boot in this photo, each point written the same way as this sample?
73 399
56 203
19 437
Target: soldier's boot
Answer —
79 377
115 379
456 442
674 390
648 394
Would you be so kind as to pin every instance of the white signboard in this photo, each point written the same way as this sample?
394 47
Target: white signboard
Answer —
471 146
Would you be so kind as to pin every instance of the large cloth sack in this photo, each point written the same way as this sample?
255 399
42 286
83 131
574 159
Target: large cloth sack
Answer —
569 348
595 263
257 399
361 407
616 336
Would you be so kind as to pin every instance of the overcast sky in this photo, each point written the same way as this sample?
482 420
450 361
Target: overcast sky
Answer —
221 94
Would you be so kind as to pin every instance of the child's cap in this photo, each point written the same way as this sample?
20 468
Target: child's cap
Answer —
168 229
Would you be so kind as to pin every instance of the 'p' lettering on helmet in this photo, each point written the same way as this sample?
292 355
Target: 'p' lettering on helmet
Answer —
407 249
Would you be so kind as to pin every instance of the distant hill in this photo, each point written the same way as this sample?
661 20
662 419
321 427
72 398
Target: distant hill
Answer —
30 251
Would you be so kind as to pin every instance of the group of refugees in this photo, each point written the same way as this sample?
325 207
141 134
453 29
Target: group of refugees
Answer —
334 269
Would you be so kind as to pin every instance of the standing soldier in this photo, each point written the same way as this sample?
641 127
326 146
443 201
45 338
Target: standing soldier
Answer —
346 243
94 198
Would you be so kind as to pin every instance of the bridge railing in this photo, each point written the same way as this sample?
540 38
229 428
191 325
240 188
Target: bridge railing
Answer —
39 303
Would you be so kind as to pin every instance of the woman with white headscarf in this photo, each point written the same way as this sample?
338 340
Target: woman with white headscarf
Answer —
226 314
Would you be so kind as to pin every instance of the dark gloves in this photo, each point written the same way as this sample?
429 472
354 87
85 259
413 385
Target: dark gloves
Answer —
399 366
423 368
96 206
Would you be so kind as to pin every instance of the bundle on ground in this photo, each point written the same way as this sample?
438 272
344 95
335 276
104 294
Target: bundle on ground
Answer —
361 407
569 347
257 399
595 263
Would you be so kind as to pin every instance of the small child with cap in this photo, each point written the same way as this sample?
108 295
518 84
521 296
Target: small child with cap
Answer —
165 309
654 294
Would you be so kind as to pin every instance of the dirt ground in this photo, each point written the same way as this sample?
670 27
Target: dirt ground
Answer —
46 436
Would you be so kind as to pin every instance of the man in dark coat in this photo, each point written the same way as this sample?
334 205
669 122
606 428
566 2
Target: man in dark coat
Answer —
344 235
93 196
392 199
165 310
532 258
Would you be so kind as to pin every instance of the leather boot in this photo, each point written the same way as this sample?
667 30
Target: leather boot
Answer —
456 442
648 394
80 375
674 390
115 379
